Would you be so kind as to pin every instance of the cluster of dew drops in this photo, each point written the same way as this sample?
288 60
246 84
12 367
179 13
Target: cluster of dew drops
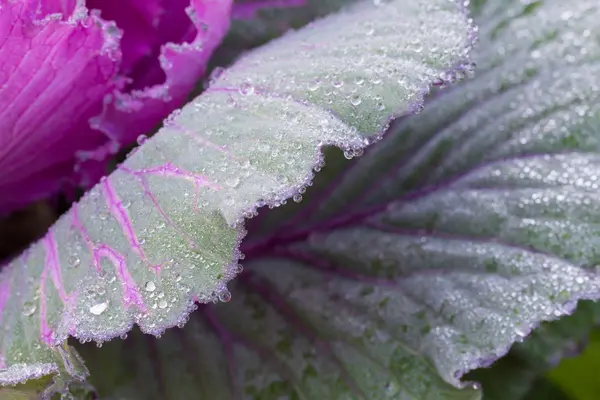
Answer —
350 152
151 289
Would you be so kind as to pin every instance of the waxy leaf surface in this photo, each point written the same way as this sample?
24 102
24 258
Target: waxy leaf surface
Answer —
163 230
466 227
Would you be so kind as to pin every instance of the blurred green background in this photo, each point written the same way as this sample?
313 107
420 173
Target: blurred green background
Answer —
579 377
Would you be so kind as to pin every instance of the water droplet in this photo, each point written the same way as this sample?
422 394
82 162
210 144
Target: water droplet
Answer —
391 389
162 304
358 61
233 182
225 296
216 74
74 261
231 102
29 309
99 308
355 100
150 286
297 197
141 139
314 85
246 89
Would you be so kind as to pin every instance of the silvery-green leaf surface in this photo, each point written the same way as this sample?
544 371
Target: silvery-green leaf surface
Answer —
522 374
466 227
163 230
488 211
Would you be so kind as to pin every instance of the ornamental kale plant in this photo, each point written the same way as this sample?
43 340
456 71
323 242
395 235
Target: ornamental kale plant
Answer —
455 222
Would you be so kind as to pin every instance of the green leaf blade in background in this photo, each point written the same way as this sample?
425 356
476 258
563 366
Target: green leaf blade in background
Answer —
578 376
162 232
523 373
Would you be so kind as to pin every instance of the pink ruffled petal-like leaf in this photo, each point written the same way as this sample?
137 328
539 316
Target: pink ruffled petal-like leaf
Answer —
76 88
129 114
138 20
53 76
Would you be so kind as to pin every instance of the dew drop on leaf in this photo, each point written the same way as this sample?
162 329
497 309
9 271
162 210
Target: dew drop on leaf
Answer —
225 296
233 182
99 308
391 389
314 85
216 74
29 309
246 89
74 261
141 139
150 286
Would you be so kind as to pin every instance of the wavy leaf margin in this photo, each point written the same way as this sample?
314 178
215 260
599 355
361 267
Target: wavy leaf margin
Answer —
118 258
